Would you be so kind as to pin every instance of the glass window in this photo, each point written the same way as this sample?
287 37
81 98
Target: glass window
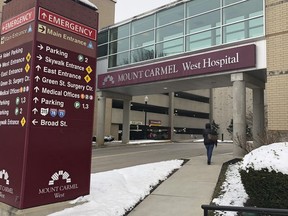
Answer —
256 27
242 11
119 59
203 40
170 31
119 46
247 29
103 37
203 22
142 54
143 39
234 32
171 47
102 50
119 32
200 6
170 15
227 2
143 24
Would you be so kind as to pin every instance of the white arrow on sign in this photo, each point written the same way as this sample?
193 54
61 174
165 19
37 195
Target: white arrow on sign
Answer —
34 122
37 78
40 46
39 57
38 67
35 99
35 111
44 15
36 89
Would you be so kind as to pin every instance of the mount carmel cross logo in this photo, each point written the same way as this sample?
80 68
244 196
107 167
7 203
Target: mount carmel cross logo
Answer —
107 79
4 175
57 175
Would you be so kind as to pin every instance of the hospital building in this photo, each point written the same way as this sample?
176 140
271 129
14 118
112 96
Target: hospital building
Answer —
164 73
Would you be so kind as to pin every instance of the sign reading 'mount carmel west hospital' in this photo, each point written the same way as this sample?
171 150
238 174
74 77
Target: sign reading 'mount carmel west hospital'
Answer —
47 91
212 62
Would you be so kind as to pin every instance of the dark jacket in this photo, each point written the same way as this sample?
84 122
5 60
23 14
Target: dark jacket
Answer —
207 131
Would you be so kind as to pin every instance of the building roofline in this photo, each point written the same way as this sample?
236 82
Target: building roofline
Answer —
141 15
87 3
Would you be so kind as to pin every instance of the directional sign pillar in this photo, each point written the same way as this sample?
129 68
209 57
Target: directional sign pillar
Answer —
47 91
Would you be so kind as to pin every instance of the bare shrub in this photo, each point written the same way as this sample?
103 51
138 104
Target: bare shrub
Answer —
270 137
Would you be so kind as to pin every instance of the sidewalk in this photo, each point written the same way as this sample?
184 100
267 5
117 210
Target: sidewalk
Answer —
185 191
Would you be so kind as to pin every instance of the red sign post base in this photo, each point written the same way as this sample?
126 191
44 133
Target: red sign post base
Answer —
47 91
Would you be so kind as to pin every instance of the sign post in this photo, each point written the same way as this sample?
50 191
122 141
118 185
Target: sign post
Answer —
47 91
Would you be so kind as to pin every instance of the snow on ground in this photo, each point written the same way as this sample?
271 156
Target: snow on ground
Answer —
114 192
273 157
233 192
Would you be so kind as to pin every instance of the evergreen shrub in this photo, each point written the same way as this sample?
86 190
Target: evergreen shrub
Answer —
266 189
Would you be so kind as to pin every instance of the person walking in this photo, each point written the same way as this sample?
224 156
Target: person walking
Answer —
210 139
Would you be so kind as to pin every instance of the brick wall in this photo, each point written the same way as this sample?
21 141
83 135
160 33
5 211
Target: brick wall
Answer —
277 64
277 96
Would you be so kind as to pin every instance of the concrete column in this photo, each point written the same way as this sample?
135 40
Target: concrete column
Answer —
239 114
101 120
171 116
126 122
211 105
258 117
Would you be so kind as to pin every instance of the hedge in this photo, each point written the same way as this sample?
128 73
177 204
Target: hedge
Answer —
266 189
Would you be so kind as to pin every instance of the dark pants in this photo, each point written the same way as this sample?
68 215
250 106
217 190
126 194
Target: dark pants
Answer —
209 149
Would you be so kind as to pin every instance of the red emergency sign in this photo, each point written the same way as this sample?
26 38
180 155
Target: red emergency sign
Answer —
18 21
66 24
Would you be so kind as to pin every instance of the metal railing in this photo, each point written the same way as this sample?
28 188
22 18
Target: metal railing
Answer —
208 208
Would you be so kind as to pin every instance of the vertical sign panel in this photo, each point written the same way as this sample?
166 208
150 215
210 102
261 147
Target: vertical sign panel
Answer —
15 72
47 103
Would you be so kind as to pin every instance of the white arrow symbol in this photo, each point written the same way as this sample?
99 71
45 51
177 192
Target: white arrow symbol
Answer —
38 67
34 111
36 88
44 15
35 99
37 78
40 46
34 122
39 57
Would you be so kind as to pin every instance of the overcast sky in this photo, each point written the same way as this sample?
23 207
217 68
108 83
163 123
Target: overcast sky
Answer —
126 9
